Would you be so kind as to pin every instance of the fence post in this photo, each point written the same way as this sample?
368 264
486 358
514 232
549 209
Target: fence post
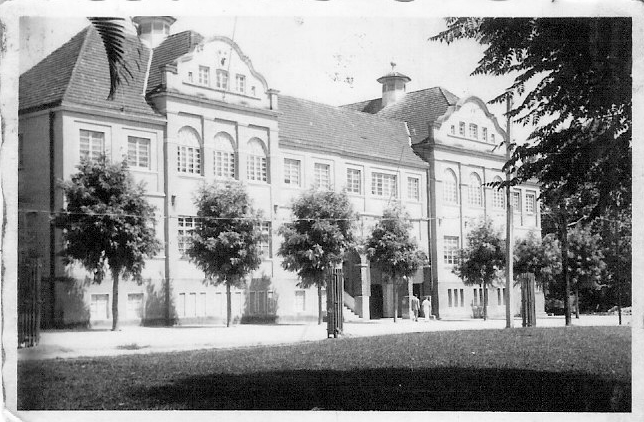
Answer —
334 302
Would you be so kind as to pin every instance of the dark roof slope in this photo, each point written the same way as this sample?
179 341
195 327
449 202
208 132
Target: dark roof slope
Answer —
86 76
314 126
419 109
169 50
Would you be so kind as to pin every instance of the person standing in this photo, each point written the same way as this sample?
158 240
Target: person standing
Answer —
415 307
427 308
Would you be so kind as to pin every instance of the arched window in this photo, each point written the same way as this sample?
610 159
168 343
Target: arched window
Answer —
450 191
256 162
475 196
188 151
224 156
498 199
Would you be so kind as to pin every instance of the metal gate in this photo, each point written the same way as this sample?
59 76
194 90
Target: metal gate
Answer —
528 310
334 289
29 303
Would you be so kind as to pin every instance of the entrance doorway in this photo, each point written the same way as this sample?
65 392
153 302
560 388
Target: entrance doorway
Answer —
375 301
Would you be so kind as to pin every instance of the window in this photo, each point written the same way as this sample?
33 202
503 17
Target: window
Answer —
98 308
498 197
292 172
220 303
256 167
474 194
138 152
92 144
240 83
383 184
413 188
354 181
201 305
530 199
498 297
516 201
204 75
450 192
261 302
190 78
191 305
188 151
449 298
474 131
187 226
21 152
222 79
322 176
484 130
462 299
265 242
461 128
300 302
134 305
492 137
224 156
475 301
452 130
450 250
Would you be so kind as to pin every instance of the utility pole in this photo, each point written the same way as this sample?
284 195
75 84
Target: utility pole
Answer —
619 285
509 230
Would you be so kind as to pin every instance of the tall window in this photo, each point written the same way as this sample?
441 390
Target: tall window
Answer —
450 250
224 156
256 166
516 201
300 302
188 151
462 298
383 184
474 194
474 131
204 75
461 128
292 172
354 181
322 176
138 152
240 83
450 192
498 197
261 302
99 308
92 144
413 188
449 298
265 242
530 199
484 133
492 138
222 79
186 226
452 130
134 305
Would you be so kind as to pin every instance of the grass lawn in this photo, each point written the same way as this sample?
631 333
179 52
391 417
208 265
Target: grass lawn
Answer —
533 369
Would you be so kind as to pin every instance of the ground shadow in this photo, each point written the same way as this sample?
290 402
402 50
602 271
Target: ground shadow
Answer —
438 389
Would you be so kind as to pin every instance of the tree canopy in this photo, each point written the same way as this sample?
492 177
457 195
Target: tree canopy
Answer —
541 257
107 222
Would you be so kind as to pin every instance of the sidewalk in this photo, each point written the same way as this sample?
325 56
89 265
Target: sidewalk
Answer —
141 340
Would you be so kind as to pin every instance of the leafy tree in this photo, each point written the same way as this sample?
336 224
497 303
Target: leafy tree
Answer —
107 223
225 244
541 257
317 238
586 261
483 259
391 247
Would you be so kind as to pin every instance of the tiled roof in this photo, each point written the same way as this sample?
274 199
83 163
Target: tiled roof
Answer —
169 50
78 73
419 109
314 126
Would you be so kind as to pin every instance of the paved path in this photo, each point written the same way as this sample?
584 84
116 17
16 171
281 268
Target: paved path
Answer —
137 340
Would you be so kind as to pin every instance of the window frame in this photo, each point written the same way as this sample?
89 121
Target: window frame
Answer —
223 79
388 187
498 196
416 186
530 202
473 131
450 187
189 155
186 225
256 165
475 191
92 155
450 249
138 142
204 75
352 181
291 164
461 129
319 170
240 87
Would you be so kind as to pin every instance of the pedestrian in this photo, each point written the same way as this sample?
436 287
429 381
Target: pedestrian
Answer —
415 307
427 308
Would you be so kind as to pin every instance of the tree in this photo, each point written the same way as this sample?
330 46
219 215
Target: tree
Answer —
107 222
225 244
315 241
541 257
483 259
392 249
586 261
580 105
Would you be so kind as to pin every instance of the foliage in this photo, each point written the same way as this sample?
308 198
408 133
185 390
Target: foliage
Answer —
585 258
541 257
580 103
315 241
107 222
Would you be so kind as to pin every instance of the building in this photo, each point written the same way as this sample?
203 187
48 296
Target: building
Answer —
197 111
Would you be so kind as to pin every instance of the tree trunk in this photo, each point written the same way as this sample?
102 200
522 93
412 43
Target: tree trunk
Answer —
563 233
577 300
115 300
319 304
484 300
395 301
228 305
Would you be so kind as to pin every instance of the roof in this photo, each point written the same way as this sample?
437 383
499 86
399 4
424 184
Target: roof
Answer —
420 109
314 126
173 47
80 67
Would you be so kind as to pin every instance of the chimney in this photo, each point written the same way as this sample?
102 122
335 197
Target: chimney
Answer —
153 29
393 86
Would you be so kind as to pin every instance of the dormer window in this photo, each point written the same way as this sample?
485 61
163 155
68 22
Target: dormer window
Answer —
461 128
190 78
240 85
252 91
474 131
204 75
222 79
484 134
452 130
492 138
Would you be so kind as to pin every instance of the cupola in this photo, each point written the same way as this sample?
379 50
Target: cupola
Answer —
153 29
393 86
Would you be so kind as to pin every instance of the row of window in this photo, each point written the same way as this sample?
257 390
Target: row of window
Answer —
478 297
456 297
475 193
473 132
99 308
92 145
186 226
221 80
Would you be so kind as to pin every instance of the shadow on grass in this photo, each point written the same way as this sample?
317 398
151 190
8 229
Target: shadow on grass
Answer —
439 389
